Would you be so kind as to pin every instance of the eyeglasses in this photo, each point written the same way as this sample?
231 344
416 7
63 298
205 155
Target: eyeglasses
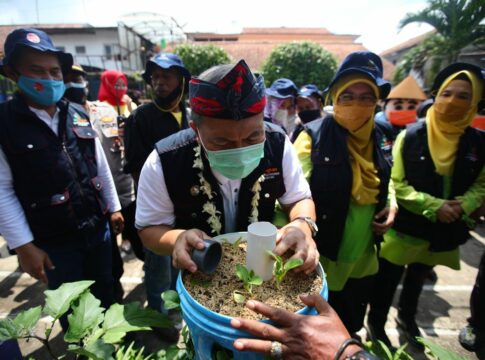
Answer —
347 99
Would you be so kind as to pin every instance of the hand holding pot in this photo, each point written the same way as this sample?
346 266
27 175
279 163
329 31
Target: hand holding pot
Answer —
301 337
186 241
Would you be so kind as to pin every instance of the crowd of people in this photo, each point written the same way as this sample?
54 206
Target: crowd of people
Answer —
375 183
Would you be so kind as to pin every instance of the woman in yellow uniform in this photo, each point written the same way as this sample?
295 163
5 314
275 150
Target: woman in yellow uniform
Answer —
347 159
439 179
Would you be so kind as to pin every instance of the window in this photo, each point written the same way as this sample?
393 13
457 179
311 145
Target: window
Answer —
61 48
108 52
80 49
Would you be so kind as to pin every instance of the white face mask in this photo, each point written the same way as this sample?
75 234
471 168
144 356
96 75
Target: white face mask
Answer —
75 85
283 118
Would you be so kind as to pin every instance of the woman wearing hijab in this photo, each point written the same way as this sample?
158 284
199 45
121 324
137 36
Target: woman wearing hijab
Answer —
346 158
112 90
439 179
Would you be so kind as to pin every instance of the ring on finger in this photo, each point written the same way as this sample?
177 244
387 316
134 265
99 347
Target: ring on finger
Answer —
276 350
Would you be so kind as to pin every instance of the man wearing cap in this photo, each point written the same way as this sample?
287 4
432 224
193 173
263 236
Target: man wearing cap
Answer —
224 173
280 105
309 106
76 85
56 190
400 106
347 160
164 116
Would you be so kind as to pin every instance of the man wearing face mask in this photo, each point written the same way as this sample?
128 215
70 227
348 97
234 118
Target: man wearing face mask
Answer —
347 159
224 173
280 105
309 105
76 85
401 105
56 190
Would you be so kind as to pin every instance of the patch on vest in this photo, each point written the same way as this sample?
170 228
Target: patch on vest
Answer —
271 173
79 121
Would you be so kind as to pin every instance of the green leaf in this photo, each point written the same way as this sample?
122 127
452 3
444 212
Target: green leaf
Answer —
9 330
385 349
57 301
293 263
120 319
171 300
242 272
98 350
255 280
26 320
438 351
238 297
87 314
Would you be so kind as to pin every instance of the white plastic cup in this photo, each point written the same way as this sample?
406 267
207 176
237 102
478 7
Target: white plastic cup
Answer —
261 238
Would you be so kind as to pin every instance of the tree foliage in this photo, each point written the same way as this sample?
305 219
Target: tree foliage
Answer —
458 22
302 62
198 58
429 52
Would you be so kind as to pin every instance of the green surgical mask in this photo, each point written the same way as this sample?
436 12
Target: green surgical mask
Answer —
236 163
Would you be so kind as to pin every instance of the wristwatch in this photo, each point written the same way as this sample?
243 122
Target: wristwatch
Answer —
311 223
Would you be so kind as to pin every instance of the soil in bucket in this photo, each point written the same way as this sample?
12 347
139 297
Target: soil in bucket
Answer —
215 291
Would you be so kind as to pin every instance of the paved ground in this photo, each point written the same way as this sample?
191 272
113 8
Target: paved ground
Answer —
443 311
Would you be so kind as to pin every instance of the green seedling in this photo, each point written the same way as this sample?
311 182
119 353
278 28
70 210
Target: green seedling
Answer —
249 278
281 268
235 244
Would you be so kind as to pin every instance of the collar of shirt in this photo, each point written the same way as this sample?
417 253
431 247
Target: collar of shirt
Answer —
52 122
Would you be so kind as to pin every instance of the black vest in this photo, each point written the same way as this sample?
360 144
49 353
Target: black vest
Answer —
177 157
331 179
421 174
54 177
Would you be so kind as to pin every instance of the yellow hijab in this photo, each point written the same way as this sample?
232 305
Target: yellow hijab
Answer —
444 134
365 182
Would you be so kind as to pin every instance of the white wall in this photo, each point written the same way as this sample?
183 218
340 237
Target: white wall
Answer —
94 43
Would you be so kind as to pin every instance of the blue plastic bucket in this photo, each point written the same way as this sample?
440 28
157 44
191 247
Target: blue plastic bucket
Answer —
208 328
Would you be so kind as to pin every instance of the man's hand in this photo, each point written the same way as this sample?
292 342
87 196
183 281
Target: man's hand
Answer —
185 243
450 211
302 337
34 261
387 214
117 222
299 239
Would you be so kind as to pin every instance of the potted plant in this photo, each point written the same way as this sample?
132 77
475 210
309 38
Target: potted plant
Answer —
209 301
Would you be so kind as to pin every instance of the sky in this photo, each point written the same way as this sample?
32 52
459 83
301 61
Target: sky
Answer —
375 20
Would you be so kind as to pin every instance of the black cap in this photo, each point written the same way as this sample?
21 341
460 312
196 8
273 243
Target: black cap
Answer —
366 63
34 39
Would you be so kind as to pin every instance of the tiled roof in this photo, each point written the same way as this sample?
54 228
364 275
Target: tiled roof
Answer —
285 30
407 44
256 53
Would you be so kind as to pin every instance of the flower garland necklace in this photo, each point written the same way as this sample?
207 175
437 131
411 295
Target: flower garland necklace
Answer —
209 207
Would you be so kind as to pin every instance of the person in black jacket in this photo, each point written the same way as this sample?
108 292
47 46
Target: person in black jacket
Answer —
346 157
148 124
56 191
439 178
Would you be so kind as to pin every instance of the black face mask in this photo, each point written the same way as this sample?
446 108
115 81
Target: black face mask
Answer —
309 115
170 98
76 95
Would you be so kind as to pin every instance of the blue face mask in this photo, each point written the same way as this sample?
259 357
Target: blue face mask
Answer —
40 91
236 163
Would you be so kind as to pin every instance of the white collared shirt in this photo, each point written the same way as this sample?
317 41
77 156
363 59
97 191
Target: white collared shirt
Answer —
13 223
155 207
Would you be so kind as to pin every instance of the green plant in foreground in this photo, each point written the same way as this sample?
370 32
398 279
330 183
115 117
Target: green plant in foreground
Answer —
92 332
249 278
281 268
